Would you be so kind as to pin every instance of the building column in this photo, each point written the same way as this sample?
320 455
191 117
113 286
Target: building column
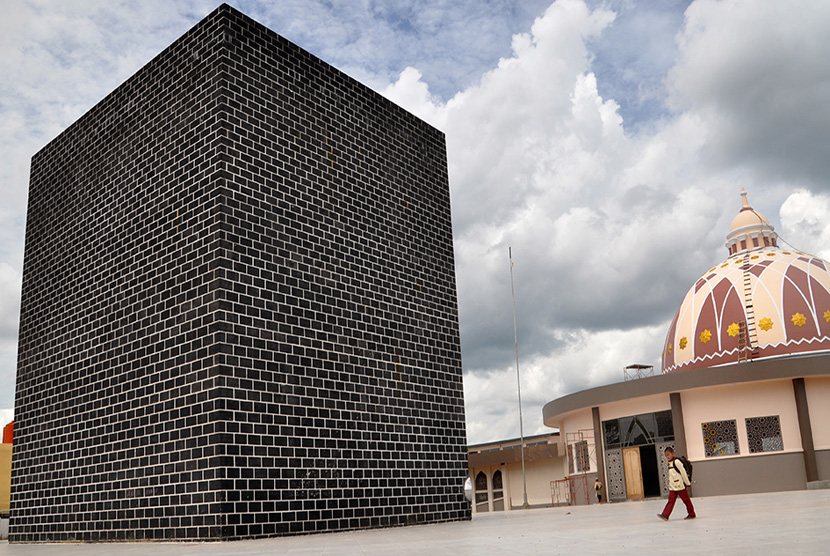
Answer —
806 429
598 448
677 423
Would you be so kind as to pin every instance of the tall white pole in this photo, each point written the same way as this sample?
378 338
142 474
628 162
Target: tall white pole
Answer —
518 380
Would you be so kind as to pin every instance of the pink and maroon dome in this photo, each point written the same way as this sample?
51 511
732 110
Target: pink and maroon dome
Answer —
761 302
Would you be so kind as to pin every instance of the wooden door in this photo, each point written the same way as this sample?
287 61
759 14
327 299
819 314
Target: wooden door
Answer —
633 474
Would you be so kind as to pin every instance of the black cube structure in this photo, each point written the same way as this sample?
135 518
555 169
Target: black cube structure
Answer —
239 313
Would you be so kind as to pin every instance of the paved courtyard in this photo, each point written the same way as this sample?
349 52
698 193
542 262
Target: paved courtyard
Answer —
774 523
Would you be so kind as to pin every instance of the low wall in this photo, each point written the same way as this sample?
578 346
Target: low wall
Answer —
745 475
823 463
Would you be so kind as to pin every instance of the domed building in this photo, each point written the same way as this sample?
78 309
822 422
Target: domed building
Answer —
744 390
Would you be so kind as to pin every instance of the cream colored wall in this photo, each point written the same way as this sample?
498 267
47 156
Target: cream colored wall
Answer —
739 401
538 473
573 423
818 401
636 406
576 421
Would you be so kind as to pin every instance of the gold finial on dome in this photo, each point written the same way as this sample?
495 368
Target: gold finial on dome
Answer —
750 230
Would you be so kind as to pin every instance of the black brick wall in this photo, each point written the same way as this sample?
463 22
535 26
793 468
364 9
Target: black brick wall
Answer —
239 313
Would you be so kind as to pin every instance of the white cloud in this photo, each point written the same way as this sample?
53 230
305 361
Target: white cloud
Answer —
6 417
539 161
587 360
756 73
609 228
9 320
9 302
610 221
411 92
805 222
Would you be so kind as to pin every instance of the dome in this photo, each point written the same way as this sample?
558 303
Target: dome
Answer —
760 302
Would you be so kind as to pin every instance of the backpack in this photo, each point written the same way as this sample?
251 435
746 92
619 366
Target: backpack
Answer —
687 465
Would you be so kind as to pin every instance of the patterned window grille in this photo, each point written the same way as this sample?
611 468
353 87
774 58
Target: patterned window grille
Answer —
720 438
583 461
764 434
482 495
498 492
570 459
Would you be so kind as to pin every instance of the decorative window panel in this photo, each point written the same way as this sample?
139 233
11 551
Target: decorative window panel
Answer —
497 482
764 434
482 495
570 459
720 438
583 461
615 474
481 481
663 466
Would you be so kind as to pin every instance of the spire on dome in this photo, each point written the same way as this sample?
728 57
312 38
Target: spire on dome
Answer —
745 201
750 230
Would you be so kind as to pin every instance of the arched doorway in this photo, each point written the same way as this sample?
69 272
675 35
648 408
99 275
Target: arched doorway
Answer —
633 450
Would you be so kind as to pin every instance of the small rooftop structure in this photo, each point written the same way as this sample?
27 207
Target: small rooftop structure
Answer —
635 371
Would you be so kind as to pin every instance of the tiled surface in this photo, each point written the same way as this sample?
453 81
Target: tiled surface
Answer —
774 523
239 314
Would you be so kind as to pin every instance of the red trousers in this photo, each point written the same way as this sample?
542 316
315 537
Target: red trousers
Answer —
684 495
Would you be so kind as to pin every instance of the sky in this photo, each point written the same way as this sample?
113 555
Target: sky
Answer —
605 142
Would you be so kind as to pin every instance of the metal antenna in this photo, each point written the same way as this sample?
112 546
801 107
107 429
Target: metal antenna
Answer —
525 505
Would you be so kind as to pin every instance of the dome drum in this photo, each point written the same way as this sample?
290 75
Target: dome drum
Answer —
750 241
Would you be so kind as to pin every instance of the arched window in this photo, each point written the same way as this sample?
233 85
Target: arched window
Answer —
498 492
637 434
482 496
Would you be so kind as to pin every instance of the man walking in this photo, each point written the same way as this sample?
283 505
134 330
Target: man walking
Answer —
678 481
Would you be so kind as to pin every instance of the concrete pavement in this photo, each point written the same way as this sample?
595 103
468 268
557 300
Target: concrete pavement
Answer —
773 523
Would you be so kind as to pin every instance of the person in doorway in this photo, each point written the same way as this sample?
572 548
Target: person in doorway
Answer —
598 488
678 481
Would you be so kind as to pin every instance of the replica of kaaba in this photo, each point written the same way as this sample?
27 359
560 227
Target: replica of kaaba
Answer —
239 314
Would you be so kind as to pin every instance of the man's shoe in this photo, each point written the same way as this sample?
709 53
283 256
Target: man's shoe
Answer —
690 517
661 516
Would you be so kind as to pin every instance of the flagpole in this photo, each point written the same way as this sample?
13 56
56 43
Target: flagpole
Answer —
525 505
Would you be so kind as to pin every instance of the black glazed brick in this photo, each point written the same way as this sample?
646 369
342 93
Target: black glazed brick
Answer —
239 313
